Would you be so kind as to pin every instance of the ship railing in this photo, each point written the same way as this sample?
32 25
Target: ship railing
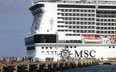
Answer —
106 2
46 1
80 2
70 41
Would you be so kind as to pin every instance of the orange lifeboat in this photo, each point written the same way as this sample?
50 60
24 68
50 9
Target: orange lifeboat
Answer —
113 38
92 38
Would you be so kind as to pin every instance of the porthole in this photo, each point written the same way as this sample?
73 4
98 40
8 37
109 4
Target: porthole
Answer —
42 47
50 47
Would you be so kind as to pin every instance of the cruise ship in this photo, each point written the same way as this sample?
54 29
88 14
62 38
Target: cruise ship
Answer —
72 29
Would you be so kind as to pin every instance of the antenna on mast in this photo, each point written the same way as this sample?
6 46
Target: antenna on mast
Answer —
32 2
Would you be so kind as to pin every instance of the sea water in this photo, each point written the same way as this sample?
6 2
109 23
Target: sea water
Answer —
98 68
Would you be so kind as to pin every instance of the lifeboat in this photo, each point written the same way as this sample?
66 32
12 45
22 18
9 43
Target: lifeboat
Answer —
92 39
113 39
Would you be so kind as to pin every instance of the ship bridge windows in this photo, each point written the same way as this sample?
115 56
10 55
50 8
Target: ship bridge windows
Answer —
36 6
107 7
37 11
45 38
31 48
75 6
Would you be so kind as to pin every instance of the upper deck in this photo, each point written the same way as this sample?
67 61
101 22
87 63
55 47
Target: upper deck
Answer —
79 1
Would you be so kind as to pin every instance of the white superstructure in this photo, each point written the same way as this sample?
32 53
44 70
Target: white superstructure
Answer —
72 29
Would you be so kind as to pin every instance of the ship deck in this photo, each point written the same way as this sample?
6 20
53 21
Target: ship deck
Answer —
75 44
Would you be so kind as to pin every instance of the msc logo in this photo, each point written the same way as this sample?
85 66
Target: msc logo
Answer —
65 54
85 53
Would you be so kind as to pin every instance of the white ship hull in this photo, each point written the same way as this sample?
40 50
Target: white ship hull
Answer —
72 29
73 51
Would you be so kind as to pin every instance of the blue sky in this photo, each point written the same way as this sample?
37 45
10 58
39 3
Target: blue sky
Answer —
15 23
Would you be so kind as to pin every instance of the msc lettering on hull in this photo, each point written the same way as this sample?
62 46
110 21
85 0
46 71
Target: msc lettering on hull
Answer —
85 53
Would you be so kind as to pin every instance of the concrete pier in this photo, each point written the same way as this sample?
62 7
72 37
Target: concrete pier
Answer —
107 62
47 66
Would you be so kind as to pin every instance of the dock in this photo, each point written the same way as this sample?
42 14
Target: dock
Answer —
107 62
48 66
